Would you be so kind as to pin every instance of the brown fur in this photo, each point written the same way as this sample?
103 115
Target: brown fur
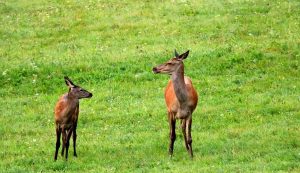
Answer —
66 116
172 101
181 99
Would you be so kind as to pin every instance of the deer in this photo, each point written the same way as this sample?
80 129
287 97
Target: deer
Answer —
181 99
66 116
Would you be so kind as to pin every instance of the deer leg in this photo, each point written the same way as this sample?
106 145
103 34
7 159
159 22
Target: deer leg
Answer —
172 123
58 133
69 133
183 126
189 136
64 135
74 141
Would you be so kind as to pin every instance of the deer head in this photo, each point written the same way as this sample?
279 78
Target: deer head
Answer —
171 66
76 91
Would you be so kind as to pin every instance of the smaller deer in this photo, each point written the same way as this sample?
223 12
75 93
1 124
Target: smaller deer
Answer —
66 116
181 99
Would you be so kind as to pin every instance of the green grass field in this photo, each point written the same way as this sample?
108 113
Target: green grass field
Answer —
244 62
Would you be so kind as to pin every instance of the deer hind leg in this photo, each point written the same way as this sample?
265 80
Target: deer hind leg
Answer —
172 123
58 134
74 141
189 135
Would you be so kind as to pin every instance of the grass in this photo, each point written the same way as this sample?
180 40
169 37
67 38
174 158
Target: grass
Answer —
244 63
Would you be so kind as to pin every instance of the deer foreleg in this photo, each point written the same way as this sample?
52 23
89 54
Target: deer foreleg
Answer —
172 123
189 135
69 133
183 126
64 136
74 141
58 134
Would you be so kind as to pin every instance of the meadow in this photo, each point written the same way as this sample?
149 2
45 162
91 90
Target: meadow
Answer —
244 62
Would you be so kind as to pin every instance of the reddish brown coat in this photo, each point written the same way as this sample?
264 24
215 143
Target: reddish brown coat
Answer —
172 101
66 116
181 99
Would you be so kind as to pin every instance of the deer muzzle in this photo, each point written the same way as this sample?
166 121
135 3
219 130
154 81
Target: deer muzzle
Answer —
155 70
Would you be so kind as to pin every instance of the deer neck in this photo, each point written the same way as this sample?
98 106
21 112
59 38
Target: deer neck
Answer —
179 85
72 100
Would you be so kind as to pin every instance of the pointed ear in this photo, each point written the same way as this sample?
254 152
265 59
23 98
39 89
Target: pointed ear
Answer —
176 53
184 55
69 82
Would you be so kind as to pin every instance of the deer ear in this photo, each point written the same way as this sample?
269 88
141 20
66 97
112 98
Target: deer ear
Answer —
184 55
69 82
176 53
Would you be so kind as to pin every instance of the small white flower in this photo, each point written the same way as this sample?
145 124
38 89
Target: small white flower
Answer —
4 72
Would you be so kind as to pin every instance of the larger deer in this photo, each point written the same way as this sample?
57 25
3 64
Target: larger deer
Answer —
66 116
181 99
